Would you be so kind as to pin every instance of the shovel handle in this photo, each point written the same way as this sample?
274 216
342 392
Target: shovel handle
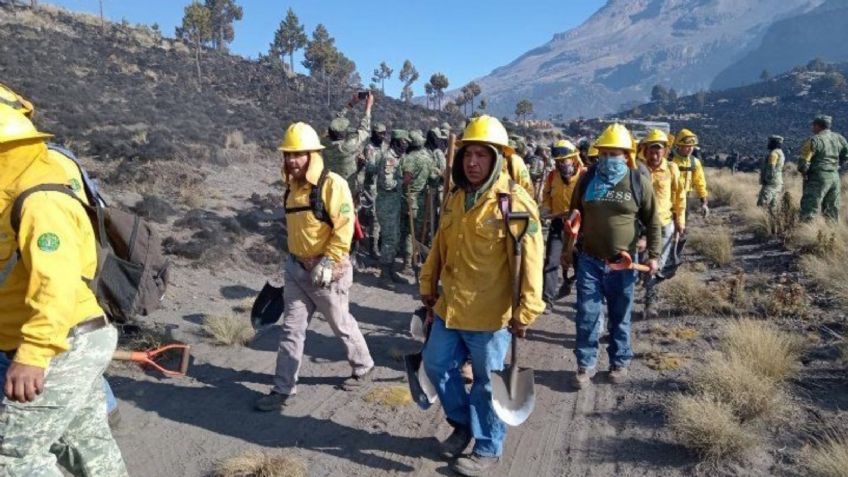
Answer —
513 368
147 358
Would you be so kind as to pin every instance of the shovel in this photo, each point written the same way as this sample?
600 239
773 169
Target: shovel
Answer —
513 390
625 262
268 307
422 390
148 358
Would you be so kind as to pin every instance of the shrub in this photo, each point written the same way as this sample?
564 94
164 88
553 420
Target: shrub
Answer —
829 457
715 244
687 293
229 330
734 382
254 463
769 352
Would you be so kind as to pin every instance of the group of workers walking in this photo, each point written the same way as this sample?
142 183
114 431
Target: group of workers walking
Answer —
601 202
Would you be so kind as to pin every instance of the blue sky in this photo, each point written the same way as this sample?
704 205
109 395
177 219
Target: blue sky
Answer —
462 39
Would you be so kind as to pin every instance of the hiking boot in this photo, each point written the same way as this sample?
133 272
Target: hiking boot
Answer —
389 276
564 290
549 307
583 378
467 373
474 465
356 381
618 374
456 443
274 401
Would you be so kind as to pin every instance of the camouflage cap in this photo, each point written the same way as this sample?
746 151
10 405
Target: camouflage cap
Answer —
339 125
446 126
400 134
379 128
775 138
416 137
439 133
823 120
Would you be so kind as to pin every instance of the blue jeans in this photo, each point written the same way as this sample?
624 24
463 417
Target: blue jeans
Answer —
596 282
111 402
444 354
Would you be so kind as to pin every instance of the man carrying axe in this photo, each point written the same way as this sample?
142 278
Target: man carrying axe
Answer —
474 316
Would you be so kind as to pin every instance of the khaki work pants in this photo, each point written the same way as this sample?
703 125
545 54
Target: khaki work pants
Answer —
302 300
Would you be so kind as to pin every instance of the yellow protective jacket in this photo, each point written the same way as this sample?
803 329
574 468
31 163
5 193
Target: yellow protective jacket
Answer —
517 169
692 173
45 296
309 237
557 194
472 257
669 193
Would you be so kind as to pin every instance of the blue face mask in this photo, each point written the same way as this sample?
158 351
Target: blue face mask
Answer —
612 166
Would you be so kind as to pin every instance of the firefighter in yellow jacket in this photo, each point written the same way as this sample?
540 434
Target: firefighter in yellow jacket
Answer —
318 272
51 326
471 259
670 199
691 169
556 203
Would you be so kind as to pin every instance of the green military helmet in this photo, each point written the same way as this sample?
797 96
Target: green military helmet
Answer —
339 125
437 133
775 138
823 120
379 128
400 134
416 138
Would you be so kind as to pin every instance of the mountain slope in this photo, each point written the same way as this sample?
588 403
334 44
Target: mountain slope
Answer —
628 46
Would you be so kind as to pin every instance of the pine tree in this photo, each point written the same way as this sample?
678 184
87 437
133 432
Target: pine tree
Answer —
381 74
409 75
523 108
289 38
196 29
223 13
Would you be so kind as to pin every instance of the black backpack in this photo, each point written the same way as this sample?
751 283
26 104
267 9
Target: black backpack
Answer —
132 272
316 201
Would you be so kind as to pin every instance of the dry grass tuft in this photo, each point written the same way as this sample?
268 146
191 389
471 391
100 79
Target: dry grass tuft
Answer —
391 396
674 334
254 463
664 360
829 274
763 348
829 457
229 330
715 244
709 428
193 195
687 293
732 381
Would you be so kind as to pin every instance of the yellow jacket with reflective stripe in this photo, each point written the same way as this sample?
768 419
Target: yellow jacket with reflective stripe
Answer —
309 237
472 257
45 295
692 173
517 169
557 195
669 193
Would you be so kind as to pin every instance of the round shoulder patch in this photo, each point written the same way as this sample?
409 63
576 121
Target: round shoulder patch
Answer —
345 209
533 227
75 185
48 242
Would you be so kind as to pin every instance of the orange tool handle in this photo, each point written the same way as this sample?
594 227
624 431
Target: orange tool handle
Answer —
147 358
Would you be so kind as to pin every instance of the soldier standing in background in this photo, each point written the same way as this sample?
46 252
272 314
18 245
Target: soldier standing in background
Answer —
417 167
389 178
771 174
372 154
821 156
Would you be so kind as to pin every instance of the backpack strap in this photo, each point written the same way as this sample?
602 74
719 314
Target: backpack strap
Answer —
316 201
636 186
92 191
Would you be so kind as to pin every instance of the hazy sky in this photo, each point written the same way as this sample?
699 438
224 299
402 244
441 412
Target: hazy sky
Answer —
463 39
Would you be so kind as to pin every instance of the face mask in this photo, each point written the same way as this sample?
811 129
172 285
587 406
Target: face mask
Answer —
612 165
566 168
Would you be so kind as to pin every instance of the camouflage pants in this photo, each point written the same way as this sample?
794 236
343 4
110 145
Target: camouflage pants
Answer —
821 192
418 206
389 208
374 229
769 195
70 411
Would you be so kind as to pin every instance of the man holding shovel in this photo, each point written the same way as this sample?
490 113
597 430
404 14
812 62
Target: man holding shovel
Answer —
471 259
615 199
318 273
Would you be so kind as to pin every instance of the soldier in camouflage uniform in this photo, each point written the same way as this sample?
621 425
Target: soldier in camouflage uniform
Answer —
370 157
436 144
346 146
389 178
771 174
821 156
417 167
446 129
536 166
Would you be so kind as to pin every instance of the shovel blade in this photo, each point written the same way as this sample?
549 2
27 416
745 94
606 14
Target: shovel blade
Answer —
422 390
513 411
268 307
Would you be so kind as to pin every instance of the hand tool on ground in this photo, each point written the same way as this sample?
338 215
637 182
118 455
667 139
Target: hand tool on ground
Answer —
148 358
513 389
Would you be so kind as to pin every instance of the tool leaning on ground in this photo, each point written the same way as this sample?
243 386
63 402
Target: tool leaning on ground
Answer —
148 358
420 387
513 389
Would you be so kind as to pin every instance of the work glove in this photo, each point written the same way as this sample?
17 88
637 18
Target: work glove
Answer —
705 209
322 274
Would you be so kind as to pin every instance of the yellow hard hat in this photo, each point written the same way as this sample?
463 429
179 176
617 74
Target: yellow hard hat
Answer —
655 136
14 126
564 149
489 130
10 98
686 138
616 136
593 152
300 137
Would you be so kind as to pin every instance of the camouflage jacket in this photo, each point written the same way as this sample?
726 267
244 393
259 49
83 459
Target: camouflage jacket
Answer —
771 170
419 164
824 152
387 173
439 165
340 156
